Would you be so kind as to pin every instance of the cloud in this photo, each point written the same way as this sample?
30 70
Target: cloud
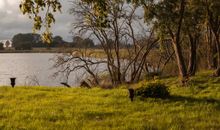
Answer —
13 22
2 4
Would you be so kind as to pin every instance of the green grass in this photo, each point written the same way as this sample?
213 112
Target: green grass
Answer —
42 108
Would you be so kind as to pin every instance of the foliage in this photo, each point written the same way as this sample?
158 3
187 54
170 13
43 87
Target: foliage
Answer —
25 41
34 9
153 90
80 42
58 41
35 40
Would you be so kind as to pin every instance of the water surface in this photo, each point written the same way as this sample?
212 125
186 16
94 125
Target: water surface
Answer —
31 69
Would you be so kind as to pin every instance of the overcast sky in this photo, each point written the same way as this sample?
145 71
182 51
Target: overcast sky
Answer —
12 21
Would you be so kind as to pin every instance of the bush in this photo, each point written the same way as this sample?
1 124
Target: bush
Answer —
153 90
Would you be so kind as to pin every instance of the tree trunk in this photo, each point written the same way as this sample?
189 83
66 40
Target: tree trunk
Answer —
176 40
217 72
214 24
214 59
211 58
180 60
192 56
212 50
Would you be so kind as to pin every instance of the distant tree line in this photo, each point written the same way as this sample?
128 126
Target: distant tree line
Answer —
28 41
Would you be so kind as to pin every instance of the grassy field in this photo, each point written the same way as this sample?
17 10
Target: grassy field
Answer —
42 108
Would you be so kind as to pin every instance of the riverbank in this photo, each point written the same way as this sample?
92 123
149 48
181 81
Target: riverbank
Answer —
194 107
39 50
95 53
91 52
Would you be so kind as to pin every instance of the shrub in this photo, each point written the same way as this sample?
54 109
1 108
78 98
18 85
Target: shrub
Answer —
153 90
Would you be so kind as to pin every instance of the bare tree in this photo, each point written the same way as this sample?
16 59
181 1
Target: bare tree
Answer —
80 59
125 52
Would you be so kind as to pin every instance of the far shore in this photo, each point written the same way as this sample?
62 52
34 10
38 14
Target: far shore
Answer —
94 51
39 50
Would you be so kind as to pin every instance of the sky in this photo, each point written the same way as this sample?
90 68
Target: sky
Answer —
12 21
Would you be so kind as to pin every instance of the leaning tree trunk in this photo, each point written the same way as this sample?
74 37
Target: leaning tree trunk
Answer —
180 62
177 48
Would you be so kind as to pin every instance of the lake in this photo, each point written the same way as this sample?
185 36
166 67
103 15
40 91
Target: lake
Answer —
31 69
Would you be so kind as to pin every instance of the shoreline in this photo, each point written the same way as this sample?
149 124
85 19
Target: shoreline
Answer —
51 50
39 50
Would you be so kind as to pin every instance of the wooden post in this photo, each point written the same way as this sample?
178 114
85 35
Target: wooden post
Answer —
131 94
13 82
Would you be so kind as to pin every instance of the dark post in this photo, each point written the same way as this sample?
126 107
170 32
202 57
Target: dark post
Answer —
13 82
131 94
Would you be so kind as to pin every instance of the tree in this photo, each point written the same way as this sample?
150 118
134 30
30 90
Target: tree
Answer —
1 46
28 40
181 21
192 31
23 41
122 66
167 17
57 41
36 40
79 42
212 14
7 44
88 43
